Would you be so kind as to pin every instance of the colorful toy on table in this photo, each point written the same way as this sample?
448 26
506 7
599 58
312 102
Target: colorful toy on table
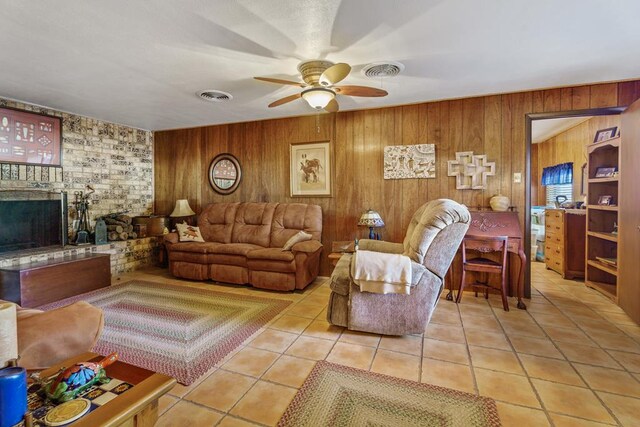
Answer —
77 378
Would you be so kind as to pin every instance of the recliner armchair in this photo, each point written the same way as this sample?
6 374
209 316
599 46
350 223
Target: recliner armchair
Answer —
432 239
49 337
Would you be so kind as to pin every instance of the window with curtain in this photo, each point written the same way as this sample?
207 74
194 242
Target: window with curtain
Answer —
556 190
558 174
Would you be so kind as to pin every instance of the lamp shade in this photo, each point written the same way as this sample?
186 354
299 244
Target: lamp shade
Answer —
318 97
371 218
182 208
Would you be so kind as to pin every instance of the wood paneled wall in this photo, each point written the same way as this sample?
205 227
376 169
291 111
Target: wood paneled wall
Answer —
568 146
492 125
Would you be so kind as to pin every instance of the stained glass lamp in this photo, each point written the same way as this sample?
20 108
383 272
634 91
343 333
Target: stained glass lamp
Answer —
371 219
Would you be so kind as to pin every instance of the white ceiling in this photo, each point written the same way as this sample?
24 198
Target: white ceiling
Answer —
140 63
541 130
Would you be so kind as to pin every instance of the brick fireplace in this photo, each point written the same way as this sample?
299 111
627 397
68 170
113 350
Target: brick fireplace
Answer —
114 159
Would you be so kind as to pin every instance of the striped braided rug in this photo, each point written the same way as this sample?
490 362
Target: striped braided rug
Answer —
176 330
335 395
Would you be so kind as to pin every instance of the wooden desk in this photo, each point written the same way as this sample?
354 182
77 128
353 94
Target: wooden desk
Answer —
489 223
137 407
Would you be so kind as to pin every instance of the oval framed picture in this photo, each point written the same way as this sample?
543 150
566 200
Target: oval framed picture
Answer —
225 173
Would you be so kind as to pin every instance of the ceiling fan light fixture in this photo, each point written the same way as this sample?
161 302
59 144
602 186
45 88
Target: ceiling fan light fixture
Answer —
318 97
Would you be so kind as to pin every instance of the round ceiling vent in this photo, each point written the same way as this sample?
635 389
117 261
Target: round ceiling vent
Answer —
213 95
383 69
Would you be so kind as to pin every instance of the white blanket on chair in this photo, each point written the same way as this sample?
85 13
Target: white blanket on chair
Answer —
381 273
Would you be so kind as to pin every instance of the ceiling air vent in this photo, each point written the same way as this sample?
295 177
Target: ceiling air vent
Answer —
215 95
383 69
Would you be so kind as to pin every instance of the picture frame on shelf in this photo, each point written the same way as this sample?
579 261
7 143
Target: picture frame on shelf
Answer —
605 200
605 134
310 169
606 172
30 138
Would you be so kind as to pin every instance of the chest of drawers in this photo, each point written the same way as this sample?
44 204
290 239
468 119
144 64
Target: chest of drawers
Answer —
564 249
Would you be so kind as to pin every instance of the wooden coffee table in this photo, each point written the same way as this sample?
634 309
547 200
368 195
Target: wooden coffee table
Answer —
137 406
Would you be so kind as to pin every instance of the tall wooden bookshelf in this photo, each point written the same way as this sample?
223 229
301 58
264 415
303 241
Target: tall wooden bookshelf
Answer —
602 243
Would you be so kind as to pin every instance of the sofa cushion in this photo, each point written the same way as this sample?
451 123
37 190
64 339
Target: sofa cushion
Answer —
235 249
300 236
195 247
189 233
194 257
289 218
228 260
275 254
24 313
288 267
253 223
216 222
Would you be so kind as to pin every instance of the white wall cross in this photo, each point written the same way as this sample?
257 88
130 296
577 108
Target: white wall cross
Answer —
471 171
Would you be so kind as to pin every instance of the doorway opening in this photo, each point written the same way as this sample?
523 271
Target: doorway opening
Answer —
556 151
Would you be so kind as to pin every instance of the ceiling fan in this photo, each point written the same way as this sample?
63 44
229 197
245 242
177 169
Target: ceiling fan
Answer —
320 92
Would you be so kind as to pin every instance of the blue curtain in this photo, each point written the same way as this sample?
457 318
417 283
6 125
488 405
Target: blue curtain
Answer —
558 174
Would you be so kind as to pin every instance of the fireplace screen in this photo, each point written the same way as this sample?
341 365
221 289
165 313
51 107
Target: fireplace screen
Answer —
32 219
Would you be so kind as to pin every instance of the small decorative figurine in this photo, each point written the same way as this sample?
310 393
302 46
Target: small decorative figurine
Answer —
615 228
77 378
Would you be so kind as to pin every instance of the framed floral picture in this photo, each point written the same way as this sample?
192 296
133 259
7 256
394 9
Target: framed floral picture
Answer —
310 169
30 138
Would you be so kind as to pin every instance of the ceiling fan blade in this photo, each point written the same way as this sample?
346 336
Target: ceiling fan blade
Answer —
360 91
332 106
334 74
281 82
285 100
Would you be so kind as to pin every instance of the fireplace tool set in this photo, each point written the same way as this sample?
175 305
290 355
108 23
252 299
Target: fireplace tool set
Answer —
81 203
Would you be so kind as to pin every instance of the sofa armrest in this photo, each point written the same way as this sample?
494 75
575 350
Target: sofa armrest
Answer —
171 238
309 246
380 246
50 337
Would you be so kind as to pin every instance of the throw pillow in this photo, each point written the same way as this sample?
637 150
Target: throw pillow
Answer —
300 236
189 233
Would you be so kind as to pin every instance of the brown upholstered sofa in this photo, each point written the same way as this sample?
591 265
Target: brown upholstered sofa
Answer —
243 244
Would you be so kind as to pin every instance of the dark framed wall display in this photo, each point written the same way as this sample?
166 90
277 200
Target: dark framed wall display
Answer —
30 138
225 173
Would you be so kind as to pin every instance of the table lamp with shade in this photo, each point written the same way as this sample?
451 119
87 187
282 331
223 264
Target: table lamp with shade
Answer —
182 212
371 219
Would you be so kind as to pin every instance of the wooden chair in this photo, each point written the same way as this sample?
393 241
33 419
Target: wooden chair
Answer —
485 266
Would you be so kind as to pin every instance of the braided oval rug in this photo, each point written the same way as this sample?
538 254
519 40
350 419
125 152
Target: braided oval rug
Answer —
335 395
176 330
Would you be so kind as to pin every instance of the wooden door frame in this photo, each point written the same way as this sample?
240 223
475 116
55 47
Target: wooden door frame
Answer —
529 118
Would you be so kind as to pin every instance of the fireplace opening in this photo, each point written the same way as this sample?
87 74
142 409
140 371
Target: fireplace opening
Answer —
32 219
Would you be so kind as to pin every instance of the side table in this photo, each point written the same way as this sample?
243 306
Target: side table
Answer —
339 248
334 257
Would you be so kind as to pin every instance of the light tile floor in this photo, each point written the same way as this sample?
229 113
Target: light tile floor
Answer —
573 358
